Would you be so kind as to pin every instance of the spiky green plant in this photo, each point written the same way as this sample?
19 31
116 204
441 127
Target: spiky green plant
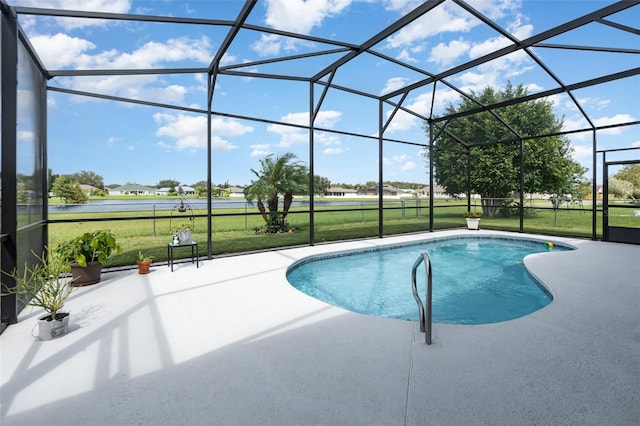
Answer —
45 284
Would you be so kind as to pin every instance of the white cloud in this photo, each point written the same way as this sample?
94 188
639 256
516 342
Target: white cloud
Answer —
59 50
496 72
578 123
516 28
575 123
408 165
302 16
402 162
450 18
394 83
327 139
533 87
616 119
292 138
298 16
583 154
595 103
293 135
446 17
190 132
495 9
445 54
260 150
401 121
405 56
152 53
421 104
333 151
402 6
268 45
400 158
26 136
108 6
636 143
488 46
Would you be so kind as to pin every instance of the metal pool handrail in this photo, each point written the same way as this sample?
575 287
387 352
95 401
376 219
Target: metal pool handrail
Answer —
425 317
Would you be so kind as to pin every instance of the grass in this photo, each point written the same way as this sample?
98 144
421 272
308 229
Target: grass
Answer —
233 230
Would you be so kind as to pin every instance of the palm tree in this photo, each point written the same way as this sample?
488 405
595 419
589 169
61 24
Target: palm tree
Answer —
278 175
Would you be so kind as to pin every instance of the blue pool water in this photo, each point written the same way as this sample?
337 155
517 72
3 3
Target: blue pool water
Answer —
476 280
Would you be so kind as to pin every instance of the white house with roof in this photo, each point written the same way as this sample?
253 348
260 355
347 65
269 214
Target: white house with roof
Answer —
438 192
88 189
387 191
185 190
132 189
235 191
336 191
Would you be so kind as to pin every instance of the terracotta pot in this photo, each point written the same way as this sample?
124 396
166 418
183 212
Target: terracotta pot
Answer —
86 276
143 266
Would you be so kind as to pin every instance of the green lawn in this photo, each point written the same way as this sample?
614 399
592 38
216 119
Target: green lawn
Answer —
233 230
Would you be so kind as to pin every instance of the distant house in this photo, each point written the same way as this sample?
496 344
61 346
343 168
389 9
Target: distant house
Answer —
439 192
88 189
387 191
336 191
185 190
235 191
133 189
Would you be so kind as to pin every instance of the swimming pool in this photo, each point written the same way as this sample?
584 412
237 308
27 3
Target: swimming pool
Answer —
476 280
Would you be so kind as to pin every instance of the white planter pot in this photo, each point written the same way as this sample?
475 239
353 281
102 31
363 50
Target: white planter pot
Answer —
184 236
473 224
48 330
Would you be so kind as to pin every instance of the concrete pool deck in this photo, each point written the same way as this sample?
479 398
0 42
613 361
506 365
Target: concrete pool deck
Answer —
232 343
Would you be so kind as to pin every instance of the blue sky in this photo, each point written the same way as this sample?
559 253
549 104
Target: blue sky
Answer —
142 144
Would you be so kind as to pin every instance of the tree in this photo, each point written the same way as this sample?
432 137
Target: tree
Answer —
321 184
68 191
88 178
626 183
277 175
50 179
548 166
168 183
200 189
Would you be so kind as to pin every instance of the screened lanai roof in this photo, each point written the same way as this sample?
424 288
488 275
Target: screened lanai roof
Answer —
360 67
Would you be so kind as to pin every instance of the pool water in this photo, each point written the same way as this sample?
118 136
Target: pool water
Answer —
476 280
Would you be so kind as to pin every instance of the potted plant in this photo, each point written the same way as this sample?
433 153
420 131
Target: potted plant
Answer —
183 232
46 285
87 253
144 262
473 220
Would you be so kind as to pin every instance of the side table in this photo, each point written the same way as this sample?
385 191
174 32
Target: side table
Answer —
195 253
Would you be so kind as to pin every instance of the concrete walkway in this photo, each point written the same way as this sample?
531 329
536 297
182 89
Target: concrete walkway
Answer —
232 343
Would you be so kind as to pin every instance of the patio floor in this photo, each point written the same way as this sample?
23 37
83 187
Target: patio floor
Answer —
232 343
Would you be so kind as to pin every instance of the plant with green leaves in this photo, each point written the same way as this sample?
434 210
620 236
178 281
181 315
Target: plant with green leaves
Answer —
69 191
626 183
143 257
495 163
45 284
182 227
90 247
277 175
